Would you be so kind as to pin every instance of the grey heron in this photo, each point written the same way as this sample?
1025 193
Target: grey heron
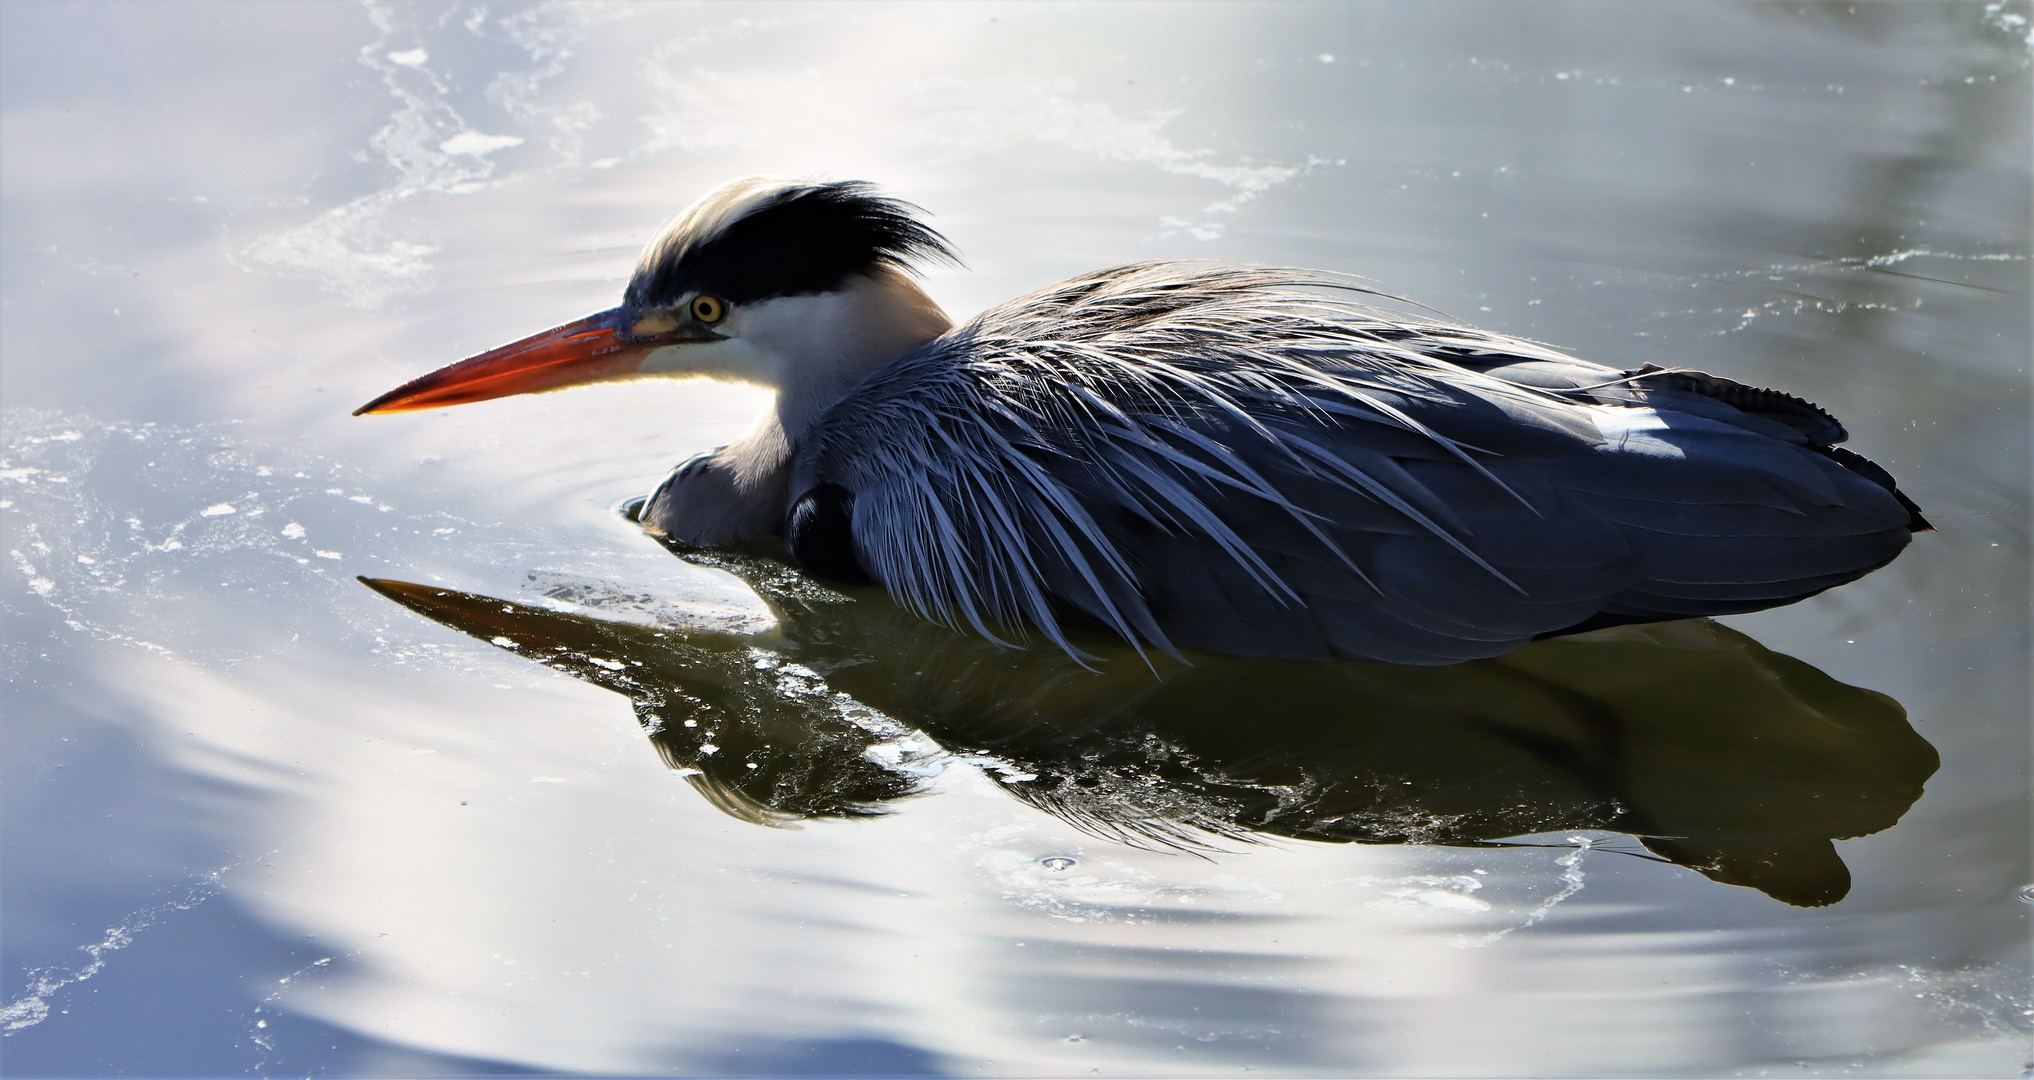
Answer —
1190 455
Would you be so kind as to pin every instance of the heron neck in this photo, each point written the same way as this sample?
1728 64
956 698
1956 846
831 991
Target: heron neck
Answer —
822 346
880 317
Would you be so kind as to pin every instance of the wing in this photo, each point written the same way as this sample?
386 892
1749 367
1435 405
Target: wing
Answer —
1221 458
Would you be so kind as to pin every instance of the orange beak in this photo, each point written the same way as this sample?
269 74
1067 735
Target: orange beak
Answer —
599 346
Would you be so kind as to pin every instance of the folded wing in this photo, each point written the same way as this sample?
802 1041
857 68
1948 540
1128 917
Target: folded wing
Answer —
1233 459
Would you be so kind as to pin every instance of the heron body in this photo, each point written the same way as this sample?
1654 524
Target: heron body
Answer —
1200 456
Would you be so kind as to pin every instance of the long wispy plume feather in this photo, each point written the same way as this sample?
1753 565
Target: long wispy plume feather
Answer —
1259 461
1126 375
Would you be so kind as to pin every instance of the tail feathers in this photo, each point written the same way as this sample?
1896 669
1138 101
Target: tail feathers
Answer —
1804 416
1870 470
1822 430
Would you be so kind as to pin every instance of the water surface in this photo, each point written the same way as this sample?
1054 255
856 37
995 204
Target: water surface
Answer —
264 819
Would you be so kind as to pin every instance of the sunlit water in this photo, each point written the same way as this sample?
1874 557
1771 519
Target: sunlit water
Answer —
260 818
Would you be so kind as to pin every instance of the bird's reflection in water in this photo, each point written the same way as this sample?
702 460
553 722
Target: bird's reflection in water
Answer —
1715 753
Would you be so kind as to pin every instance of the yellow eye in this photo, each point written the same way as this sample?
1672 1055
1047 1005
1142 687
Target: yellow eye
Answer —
709 309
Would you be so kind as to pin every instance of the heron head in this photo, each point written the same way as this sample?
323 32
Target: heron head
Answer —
780 283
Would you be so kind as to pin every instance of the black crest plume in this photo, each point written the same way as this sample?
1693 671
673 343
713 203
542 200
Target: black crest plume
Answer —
760 239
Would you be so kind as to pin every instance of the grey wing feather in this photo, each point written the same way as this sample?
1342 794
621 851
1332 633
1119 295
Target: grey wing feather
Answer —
1241 459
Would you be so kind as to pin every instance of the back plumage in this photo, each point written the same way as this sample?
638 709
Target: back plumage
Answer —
1244 460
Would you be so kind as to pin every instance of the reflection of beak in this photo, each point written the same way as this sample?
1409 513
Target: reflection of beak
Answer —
567 643
599 346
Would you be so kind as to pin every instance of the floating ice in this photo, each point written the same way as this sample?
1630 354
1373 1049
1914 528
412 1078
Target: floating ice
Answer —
473 142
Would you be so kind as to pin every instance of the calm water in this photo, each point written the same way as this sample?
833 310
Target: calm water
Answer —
261 818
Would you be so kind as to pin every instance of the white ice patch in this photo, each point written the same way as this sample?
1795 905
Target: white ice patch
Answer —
1071 884
344 247
138 547
989 113
37 583
432 151
138 550
32 1007
1443 899
1571 883
476 144
551 33
946 114
1808 294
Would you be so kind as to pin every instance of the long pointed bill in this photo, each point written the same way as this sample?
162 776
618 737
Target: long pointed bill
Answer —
599 346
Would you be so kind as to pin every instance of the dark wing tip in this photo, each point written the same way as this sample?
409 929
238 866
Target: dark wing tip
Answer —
1811 420
1873 471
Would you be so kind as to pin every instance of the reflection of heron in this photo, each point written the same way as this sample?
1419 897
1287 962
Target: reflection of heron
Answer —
1719 755
1215 457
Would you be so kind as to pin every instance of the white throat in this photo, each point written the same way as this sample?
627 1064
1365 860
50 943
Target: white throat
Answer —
811 350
